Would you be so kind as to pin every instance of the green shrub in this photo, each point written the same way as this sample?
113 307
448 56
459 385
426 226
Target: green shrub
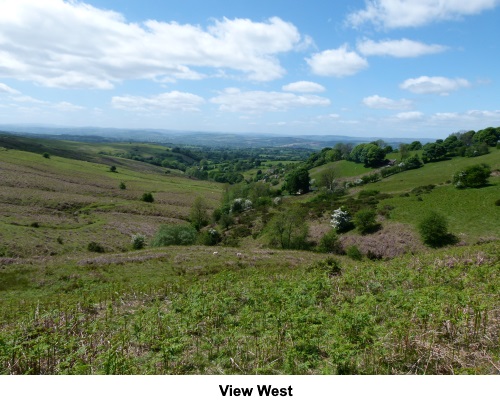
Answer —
147 197
354 253
46 155
95 247
122 186
174 235
329 243
472 176
210 237
434 230
138 241
112 169
365 221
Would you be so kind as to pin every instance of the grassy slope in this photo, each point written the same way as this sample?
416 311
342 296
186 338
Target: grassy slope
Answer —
342 169
184 311
80 202
471 213
104 153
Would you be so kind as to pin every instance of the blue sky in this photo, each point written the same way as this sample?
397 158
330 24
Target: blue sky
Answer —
382 68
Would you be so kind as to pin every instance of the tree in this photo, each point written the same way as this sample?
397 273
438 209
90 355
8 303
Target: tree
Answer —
198 214
327 178
46 155
433 152
489 136
434 230
472 176
404 150
297 181
112 169
288 230
416 145
367 153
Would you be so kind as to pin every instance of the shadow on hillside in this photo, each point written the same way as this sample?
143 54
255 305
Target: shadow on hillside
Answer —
447 240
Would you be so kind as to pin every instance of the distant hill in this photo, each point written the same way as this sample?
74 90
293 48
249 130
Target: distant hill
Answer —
218 139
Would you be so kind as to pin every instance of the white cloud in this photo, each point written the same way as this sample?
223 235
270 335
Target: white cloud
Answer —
304 87
234 100
165 102
415 13
484 117
75 45
402 48
378 102
337 62
409 115
6 89
436 85
67 107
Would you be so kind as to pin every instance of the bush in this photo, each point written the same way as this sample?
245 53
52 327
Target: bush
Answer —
354 253
122 186
434 230
46 155
341 220
95 247
138 241
365 221
329 243
371 178
174 235
112 169
210 237
147 197
472 176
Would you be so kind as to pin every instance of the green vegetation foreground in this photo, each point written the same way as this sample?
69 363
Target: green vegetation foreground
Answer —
165 311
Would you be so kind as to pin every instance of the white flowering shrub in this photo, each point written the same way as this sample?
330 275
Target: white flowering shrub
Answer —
241 204
341 220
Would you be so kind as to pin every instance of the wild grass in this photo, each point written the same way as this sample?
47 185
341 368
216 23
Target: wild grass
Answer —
77 202
165 311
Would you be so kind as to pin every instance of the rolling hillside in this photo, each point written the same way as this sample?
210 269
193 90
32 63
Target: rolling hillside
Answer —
244 308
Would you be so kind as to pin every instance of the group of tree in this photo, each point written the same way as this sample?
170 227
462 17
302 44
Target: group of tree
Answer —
370 154
467 144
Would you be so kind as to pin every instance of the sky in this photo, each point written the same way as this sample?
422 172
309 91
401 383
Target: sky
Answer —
381 68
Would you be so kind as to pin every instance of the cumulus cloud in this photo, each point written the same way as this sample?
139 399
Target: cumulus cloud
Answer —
234 100
409 116
337 62
304 87
433 85
415 13
75 45
402 48
165 102
378 102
